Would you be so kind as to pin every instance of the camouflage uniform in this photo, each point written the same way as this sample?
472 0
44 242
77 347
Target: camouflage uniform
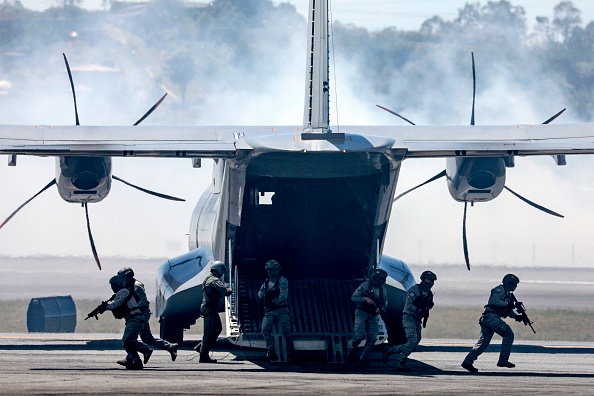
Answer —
366 318
499 306
213 289
145 332
134 325
275 294
417 306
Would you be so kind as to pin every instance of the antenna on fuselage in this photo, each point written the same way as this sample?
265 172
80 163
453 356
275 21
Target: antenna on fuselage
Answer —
316 113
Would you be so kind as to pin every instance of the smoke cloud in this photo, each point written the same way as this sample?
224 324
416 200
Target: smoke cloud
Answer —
234 62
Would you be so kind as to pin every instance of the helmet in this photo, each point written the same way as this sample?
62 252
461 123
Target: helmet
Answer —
272 264
428 275
379 275
127 273
510 278
218 268
117 282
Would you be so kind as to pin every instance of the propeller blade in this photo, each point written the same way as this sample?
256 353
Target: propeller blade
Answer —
464 241
537 206
396 114
150 110
473 89
555 116
95 255
27 201
156 194
438 176
72 86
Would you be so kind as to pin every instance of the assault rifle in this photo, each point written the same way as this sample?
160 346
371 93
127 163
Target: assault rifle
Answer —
519 306
377 304
100 309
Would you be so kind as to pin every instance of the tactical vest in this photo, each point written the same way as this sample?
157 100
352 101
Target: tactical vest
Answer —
123 310
271 295
379 301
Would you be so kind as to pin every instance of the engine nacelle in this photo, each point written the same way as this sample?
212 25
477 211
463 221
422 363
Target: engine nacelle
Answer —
83 179
475 179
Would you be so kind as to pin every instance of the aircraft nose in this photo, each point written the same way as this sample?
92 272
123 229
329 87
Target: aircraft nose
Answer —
481 179
85 180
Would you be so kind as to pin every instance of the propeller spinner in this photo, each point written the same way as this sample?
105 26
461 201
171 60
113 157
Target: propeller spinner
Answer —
474 175
84 176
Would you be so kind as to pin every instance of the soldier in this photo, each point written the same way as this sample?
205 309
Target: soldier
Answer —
500 306
145 331
213 289
126 305
275 292
371 299
419 300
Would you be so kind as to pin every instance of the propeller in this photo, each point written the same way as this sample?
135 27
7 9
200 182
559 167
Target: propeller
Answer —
156 194
443 173
27 201
438 176
464 240
85 204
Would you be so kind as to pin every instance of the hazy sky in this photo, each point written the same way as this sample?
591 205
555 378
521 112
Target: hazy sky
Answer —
377 14
410 14
425 226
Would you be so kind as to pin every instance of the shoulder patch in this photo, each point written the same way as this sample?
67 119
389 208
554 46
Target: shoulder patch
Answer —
411 294
219 283
498 289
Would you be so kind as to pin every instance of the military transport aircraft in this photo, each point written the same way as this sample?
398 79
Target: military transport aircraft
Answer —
317 200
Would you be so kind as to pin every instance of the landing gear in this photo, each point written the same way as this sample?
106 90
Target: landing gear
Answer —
172 330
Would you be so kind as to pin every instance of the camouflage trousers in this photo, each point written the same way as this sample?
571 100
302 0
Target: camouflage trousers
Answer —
147 337
491 324
366 327
412 328
282 317
134 326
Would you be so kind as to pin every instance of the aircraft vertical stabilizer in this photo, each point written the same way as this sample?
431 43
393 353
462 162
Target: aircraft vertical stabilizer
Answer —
317 101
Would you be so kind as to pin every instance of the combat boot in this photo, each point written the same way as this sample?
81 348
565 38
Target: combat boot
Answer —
124 362
207 360
135 365
505 363
401 367
147 356
469 367
173 352
350 358
271 356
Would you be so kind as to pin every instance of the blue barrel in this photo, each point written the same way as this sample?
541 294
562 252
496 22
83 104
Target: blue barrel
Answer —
51 315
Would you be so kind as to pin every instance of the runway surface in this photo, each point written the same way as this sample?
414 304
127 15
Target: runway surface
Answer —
85 364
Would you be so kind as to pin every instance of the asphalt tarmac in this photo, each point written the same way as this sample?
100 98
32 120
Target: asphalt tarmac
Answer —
50 364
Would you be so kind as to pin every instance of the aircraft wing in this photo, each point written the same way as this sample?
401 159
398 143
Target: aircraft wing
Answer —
224 141
524 140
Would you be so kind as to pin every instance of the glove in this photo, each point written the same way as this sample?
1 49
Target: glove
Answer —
519 318
430 304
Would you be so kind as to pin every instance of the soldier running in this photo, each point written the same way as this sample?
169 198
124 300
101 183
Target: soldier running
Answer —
419 300
145 331
125 305
275 292
371 298
500 305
